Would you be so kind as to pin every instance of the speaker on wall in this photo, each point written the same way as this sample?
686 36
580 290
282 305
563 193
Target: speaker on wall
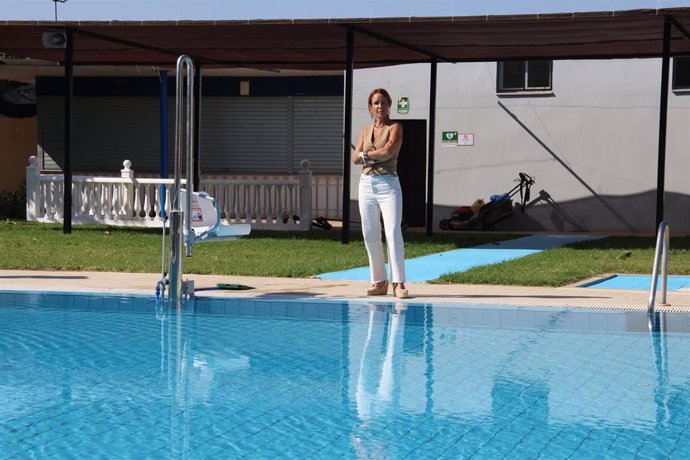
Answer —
54 39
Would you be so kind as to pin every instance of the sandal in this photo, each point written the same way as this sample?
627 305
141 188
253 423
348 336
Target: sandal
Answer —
378 288
399 292
321 222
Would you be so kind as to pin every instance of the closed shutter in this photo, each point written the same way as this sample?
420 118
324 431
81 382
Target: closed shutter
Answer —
261 135
318 133
50 128
106 132
244 135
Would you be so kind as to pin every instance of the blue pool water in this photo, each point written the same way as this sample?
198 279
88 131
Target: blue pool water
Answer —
86 376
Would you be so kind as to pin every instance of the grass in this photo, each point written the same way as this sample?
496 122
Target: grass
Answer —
579 261
32 246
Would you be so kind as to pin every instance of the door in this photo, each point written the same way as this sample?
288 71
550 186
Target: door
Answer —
412 171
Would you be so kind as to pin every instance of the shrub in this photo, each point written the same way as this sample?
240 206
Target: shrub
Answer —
13 204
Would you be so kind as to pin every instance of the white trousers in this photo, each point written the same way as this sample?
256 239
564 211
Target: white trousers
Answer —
382 195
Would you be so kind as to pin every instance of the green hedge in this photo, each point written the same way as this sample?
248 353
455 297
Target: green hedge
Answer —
13 204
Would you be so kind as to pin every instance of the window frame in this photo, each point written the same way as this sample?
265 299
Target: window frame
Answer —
680 88
525 88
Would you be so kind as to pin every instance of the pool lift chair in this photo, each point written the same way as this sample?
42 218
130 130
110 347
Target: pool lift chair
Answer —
206 221
197 210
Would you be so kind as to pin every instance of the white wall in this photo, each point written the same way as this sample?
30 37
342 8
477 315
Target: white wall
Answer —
591 144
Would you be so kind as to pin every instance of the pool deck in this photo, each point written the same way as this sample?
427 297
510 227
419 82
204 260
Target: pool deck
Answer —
299 288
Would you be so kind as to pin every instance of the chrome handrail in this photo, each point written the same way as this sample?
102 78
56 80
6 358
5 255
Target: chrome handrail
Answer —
176 214
660 255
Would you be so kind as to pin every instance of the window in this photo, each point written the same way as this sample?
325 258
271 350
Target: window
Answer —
520 76
681 73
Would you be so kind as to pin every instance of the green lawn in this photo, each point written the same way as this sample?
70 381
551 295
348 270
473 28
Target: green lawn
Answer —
32 246
579 261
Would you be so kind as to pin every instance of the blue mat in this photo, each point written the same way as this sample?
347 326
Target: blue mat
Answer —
431 267
639 282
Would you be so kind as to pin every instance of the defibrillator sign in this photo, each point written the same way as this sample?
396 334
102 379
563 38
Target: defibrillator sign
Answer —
449 138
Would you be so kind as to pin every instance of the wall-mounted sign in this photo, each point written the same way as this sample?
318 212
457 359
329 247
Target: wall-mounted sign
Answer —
244 88
403 105
449 138
466 139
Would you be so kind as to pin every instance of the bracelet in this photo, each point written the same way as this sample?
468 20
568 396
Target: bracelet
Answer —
365 158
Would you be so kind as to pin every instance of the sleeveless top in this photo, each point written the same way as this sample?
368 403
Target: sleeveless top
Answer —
383 167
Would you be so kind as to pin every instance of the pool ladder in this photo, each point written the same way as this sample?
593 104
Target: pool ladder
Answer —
184 131
660 255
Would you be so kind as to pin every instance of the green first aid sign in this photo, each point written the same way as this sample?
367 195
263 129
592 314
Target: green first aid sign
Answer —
449 138
403 105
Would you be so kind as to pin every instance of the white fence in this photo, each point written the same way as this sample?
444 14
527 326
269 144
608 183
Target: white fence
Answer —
265 202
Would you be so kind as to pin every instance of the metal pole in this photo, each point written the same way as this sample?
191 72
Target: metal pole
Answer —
660 263
176 241
197 123
176 214
190 133
663 114
69 89
55 2
347 136
163 117
432 145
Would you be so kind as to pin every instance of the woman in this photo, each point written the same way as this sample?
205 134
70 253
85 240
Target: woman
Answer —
380 194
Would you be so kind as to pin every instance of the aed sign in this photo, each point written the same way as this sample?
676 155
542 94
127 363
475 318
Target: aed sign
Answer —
449 138
403 105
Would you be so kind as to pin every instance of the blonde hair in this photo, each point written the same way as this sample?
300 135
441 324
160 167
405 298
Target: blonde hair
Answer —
383 93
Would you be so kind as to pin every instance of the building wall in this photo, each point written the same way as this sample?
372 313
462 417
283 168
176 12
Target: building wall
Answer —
17 143
591 145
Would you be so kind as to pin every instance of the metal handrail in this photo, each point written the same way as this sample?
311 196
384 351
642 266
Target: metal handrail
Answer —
660 255
182 123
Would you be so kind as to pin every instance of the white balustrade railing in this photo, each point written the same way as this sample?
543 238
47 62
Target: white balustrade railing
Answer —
266 202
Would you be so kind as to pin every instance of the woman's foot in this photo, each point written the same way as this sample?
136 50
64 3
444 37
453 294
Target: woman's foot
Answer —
378 288
400 291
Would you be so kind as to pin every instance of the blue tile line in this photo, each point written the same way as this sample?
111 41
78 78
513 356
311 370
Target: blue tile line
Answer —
432 266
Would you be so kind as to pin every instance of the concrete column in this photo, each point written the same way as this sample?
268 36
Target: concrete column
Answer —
32 189
305 195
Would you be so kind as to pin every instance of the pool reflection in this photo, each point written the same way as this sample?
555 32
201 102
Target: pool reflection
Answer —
464 373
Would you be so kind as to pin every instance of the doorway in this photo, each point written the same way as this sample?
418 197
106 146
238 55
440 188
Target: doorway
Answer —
412 171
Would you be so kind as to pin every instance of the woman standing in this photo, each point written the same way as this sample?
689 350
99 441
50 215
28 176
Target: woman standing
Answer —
380 195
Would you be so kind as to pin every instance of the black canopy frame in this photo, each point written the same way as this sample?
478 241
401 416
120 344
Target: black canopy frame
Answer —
346 44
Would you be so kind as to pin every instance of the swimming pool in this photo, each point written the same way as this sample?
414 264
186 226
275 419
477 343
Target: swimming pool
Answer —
103 375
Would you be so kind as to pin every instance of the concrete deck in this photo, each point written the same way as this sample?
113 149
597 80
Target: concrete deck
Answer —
298 288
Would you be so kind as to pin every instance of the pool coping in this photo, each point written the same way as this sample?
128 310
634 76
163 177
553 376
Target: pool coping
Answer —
570 296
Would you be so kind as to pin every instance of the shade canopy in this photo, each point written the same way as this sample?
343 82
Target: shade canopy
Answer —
321 44
341 44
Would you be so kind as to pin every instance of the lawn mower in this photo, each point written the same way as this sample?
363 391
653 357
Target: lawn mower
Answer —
482 216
